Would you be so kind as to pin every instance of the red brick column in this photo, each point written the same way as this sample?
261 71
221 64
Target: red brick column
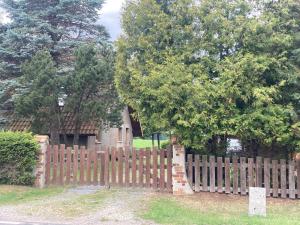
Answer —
180 182
41 162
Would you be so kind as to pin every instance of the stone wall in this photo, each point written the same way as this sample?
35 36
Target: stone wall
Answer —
41 162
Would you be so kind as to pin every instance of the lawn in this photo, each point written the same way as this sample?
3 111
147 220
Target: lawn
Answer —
215 209
145 143
16 194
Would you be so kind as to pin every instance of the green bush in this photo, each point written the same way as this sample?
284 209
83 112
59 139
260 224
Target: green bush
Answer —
18 155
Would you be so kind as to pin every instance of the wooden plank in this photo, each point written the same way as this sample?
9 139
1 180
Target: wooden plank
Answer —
120 167
61 164
251 182
55 179
283 178
141 167
48 165
68 169
102 168
204 173
267 176
235 175
106 167
148 158
75 164
227 176
258 171
82 165
220 174
88 167
298 178
292 179
95 167
113 166
190 169
127 169
212 169
169 169
162 170
243 175
154 178
197 173
275 178
133 167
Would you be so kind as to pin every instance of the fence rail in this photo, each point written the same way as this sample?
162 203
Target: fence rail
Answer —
235 175
151 168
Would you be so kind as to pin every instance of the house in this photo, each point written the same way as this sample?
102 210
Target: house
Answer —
89 131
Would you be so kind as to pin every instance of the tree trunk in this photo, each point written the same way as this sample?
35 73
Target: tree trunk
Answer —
158 140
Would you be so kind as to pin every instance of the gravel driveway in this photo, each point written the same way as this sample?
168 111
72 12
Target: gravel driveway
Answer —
119 206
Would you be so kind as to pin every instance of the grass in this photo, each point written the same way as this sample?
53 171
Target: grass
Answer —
145 143
16 194
225 211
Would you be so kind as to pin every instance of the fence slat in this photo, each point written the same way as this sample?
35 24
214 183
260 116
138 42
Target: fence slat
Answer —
162 170
88 167
68 169
55 165
291 179
190 168
212 179
275 178
197 173
204 173
95 167
82 163
283 178
134 167
113 166
243 175
227 176
148 184
220 174
61 164
120 167
75 164
251 182
154 179
259 171
141 168
235 175
48 165
102 168
267 176
169 169
298 178
127 168
106 166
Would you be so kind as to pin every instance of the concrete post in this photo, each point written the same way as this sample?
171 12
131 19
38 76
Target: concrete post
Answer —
40 170
181 186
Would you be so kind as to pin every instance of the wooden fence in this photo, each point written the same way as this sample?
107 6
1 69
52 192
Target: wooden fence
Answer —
149 168
236 175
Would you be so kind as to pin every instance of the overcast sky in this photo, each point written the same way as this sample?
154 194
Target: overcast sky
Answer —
109 16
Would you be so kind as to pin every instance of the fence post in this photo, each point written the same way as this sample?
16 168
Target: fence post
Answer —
40 170
181 186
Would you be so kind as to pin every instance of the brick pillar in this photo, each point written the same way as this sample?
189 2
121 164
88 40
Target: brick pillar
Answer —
181 186
41 162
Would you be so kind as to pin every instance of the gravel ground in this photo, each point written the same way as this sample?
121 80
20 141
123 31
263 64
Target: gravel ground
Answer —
120 206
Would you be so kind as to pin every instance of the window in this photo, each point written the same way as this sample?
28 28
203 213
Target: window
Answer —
120 136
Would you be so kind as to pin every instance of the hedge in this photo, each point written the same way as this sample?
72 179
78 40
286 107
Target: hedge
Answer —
18 155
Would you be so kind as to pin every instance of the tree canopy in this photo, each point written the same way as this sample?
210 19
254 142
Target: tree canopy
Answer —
213 70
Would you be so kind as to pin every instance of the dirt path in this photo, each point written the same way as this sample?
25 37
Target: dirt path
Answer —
84 206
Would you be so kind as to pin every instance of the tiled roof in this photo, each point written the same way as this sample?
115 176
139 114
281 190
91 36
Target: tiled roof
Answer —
24 124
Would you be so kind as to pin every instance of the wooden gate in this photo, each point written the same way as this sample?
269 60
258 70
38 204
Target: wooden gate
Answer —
235 175
149 168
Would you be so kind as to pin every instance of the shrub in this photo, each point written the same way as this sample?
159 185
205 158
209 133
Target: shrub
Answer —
18 155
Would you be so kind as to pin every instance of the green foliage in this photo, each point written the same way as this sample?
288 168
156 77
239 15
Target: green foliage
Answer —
18 155
213 70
